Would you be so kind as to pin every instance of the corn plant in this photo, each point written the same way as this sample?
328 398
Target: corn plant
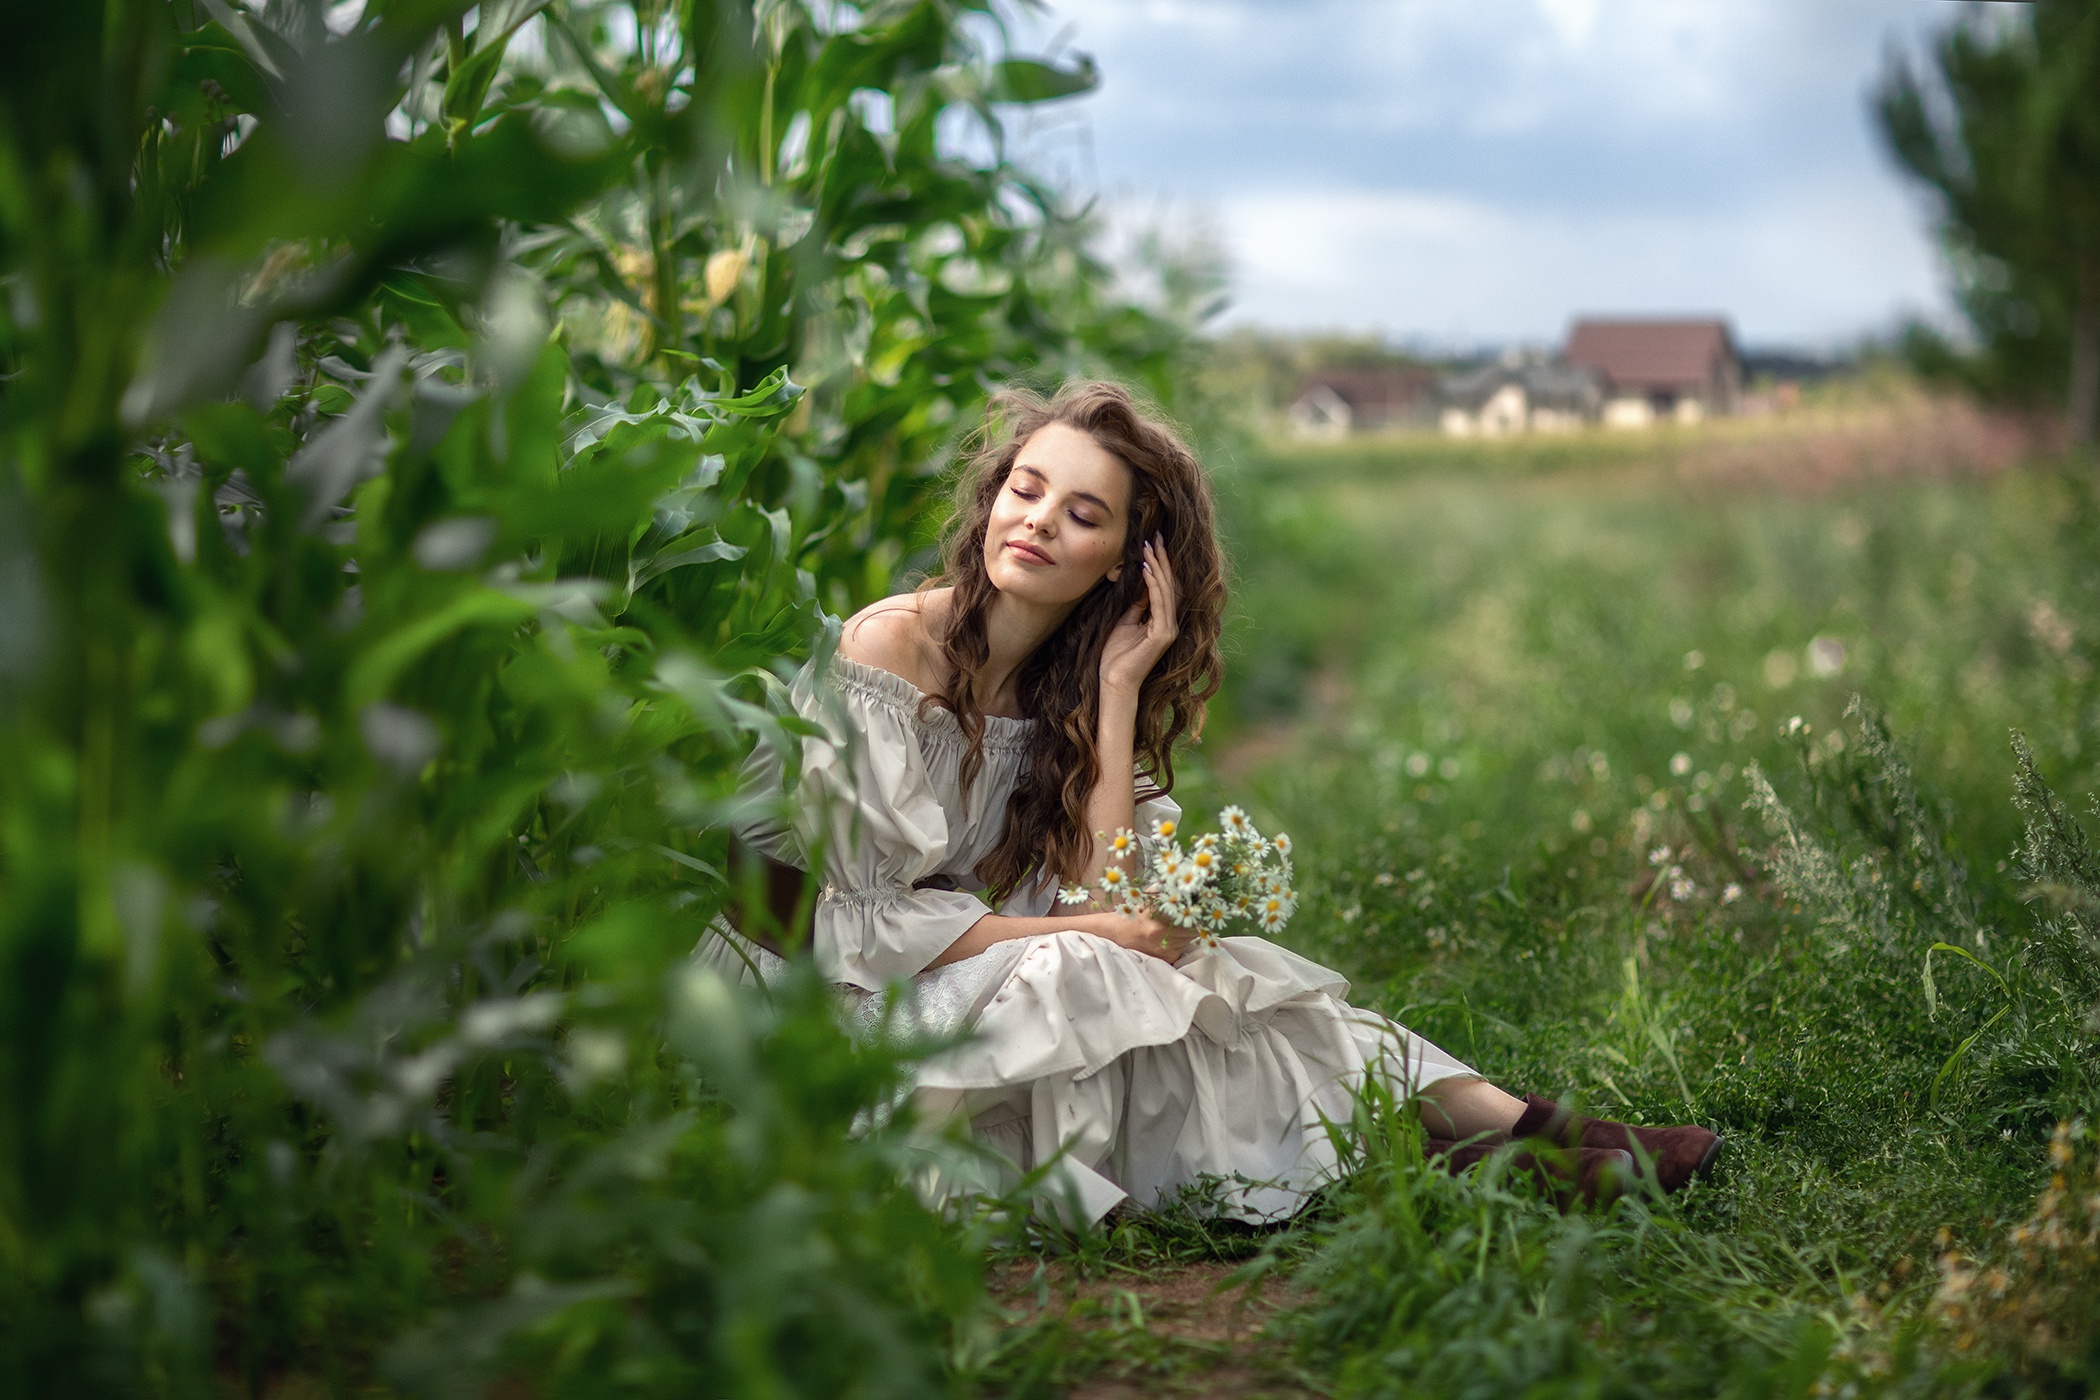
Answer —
380 636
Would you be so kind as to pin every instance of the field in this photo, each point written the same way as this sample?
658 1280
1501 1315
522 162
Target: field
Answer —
1514 703
423 454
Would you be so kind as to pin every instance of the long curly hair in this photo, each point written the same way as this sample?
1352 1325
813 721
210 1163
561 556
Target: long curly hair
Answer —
1060 682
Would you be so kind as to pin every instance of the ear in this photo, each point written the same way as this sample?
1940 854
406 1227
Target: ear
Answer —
1115 575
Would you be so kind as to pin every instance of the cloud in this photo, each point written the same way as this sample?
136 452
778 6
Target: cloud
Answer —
1464 271
1715 153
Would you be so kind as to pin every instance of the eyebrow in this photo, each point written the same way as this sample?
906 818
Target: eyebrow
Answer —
1082 495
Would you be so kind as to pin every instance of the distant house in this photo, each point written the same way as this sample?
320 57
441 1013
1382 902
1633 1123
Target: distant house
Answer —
1335 403
1663 369
1499 399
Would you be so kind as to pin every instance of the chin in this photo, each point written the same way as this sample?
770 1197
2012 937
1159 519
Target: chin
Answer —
1028 586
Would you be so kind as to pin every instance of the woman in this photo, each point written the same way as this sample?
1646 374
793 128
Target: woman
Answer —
984 733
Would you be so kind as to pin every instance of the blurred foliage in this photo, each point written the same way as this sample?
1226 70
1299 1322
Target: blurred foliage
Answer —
2006 132
428 433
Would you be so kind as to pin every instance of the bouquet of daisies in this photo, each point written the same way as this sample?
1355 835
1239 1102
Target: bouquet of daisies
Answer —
1233 875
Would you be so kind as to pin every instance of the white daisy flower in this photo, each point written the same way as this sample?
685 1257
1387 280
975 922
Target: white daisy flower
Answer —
1235 822
1163 830
1283 843
1113 879
1731 892
1659 855
1073 894
1123 842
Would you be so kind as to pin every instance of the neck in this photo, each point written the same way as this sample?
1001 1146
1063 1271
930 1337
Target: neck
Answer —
1013 629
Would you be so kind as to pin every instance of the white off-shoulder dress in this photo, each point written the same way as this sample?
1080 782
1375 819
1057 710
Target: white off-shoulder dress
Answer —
1128 1077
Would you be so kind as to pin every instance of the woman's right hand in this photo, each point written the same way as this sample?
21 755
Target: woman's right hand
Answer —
1141 933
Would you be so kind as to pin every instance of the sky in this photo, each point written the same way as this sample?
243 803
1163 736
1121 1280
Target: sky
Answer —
1468 172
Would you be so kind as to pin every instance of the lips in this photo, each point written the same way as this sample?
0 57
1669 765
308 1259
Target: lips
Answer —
1029 552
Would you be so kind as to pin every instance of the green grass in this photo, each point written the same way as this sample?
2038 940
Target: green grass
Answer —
1481 694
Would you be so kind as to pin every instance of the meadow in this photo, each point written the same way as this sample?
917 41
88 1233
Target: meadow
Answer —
1517 704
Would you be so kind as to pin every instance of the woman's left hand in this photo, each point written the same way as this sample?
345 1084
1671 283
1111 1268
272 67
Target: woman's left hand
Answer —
1145 632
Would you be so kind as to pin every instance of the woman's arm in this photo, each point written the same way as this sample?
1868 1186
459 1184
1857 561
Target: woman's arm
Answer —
1133 649
1137 932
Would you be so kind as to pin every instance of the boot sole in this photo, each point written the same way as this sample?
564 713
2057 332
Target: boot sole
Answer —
1706 1159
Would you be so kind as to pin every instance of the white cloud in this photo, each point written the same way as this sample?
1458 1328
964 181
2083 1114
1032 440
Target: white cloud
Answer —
1483 168
1465 271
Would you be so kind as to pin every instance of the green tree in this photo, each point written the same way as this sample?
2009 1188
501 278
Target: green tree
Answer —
2008 137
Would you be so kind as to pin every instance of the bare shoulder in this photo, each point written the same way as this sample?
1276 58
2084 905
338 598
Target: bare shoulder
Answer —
893 635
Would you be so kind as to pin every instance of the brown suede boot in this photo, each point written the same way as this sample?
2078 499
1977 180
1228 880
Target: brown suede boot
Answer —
1593 1176
1674 1155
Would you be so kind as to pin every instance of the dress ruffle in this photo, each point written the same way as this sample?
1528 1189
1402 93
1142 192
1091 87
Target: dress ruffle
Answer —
1229 1065
1126 1078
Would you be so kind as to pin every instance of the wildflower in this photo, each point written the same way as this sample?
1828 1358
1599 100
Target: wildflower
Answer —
1235 822
1163 830
1208 841
1074 894
1204 860
1270 913
1731 892
1681 887
1659 855
1283 843
1113 879
1680 764
1123 842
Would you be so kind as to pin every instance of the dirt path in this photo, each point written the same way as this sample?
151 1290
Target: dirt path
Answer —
1174 1331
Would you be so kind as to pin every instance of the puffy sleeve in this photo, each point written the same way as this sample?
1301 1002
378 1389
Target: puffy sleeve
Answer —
865 799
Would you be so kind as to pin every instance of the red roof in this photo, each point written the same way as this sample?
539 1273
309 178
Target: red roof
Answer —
1652 354
1376 391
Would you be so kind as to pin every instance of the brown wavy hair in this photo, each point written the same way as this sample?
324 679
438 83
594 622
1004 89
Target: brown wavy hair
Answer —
1060 682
